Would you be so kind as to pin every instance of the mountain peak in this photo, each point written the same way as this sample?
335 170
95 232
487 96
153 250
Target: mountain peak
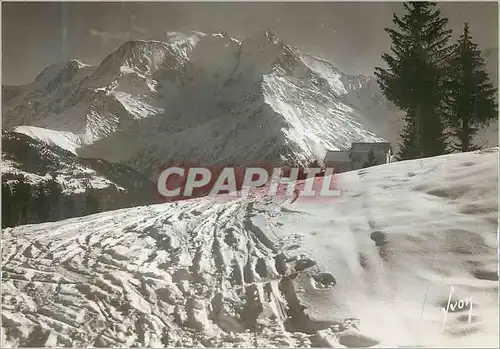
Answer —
139 56
76 63
57 74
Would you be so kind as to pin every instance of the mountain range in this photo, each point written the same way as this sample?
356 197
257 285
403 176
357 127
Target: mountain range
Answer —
196 97
371 268
206 99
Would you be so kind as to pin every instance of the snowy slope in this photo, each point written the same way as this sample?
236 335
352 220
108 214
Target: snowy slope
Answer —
339 82
66 140
22 155
26 156
244 274
47 94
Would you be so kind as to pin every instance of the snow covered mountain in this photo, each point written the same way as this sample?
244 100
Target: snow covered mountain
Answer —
33 161
195 97
371 269
93 102
363 94
253 101
207 99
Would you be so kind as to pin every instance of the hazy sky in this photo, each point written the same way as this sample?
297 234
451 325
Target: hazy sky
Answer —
35 35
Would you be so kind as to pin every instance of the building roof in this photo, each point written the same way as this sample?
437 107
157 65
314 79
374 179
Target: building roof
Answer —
367 145
337 156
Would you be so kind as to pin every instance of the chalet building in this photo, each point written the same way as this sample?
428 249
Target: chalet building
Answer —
340 160
355 157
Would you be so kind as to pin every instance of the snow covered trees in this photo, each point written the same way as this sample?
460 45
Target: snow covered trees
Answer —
435 83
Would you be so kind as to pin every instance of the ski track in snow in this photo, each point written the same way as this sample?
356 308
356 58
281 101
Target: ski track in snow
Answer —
248 273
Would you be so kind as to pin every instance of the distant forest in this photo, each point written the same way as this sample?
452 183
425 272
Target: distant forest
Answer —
25 203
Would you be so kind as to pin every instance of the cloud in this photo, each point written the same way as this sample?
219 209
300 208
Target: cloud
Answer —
138 29
107 36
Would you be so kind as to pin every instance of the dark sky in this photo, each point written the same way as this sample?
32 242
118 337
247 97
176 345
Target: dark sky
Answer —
35 35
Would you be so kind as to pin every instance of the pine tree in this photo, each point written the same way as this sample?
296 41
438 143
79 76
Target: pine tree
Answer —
21 201
42 203
69 208
6 205
54 196
414 80
470 101
408 149
91 203
371 161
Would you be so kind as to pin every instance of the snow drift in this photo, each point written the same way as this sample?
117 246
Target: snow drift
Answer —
371 269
